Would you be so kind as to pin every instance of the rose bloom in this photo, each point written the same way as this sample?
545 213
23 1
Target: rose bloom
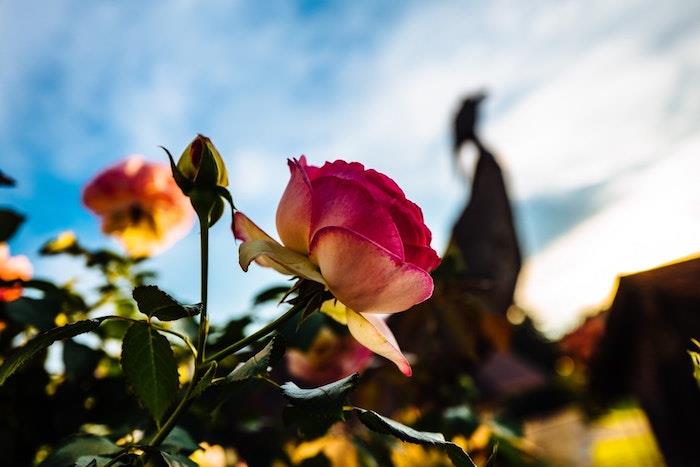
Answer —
353 230
13 268
329 358
140 205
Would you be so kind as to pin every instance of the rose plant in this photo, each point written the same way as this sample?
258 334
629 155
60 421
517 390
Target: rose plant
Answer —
358 249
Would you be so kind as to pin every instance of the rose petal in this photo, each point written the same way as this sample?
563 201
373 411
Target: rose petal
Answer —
346 203
372 332
422 256
282 259
245 230
365 276
335 310
408 218
294 210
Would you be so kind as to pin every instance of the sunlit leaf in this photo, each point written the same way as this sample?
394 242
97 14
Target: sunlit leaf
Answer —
42 341
154 302
380 424
150 367
328 398
9 223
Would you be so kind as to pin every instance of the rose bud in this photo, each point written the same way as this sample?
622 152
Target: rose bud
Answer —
202 164
140 205
354 231
13 268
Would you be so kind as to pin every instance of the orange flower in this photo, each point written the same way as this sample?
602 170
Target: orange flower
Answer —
140 205
13 268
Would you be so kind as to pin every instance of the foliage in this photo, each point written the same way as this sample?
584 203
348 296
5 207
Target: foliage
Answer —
178 381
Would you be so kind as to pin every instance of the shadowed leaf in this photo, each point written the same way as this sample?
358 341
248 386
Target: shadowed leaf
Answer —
9 223
42 341
79 447
328 398
380 424
155 303
150 367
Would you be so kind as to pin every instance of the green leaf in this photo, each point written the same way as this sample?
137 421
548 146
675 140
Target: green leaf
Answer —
9 223
154 302
80 446
328 398
380 424
271 293
179 440
42 341
150 367
176 460
258 363
205 381
292 262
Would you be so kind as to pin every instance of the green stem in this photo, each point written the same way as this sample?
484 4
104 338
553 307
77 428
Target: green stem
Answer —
169 424
260 333
204 275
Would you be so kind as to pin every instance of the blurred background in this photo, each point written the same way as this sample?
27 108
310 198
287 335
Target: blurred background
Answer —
590 115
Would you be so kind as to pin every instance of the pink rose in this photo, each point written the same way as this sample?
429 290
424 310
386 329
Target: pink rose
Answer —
140 205
13 268
354 231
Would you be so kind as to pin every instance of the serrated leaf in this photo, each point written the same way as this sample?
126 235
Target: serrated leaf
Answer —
176 460
380 424
328 398
258 363
80 446
43 340
9 223
153 302
205 381
150 367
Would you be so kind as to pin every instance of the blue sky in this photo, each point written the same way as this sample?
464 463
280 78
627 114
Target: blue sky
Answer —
594 111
